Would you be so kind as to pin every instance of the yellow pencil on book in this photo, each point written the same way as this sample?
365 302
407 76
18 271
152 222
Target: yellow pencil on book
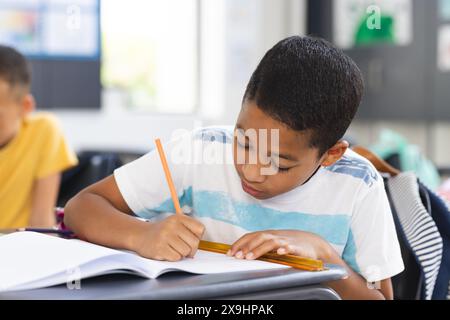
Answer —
289 260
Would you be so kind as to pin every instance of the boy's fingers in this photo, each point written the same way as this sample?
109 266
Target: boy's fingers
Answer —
191 239
195 226
180 246
265 247
255 242
170 254
286 250
235 247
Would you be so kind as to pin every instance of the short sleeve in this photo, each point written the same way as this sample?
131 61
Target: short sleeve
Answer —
142 182
55 155
372 247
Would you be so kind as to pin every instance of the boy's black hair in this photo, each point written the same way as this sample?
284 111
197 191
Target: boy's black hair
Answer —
308 84
14 68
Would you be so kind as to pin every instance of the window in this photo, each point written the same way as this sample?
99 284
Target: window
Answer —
149 54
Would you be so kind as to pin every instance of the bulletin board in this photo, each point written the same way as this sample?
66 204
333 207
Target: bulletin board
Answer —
49 29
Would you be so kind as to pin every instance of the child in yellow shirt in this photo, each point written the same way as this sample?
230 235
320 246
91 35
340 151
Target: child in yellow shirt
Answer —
33 151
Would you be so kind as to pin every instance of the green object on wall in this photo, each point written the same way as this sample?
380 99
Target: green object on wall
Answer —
384 34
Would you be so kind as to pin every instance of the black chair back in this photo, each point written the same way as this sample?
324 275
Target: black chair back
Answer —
93 166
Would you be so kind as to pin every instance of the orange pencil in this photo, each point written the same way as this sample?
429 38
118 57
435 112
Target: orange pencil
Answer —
173 192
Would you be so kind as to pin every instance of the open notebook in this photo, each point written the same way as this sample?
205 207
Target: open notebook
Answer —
31 260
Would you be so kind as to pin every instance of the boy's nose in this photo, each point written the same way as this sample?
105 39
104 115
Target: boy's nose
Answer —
252 173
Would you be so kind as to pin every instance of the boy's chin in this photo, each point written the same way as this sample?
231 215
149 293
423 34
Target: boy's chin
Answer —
262 197
259 196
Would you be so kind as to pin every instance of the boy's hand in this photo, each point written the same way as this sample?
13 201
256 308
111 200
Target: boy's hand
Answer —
253 245
171 239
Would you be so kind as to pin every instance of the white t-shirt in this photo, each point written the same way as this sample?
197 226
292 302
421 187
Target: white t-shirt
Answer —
345 204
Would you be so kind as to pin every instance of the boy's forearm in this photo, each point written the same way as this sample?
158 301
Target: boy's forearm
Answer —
94 219
44 195
42 219
354 287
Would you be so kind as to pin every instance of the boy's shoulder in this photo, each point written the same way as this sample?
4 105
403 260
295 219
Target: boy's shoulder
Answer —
352 164
42 122
42 118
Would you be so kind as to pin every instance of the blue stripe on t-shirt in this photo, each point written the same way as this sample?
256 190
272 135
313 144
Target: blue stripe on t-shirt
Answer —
349 254
253 217
355 167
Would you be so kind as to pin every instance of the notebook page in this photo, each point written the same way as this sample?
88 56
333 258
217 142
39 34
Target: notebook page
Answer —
30 256
106 265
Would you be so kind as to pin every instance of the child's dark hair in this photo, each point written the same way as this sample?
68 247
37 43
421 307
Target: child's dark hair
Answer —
308 84
14 68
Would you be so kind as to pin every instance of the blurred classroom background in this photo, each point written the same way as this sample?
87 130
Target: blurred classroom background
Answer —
120 73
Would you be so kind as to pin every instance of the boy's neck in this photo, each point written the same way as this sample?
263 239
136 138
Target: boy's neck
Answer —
313 174
7 141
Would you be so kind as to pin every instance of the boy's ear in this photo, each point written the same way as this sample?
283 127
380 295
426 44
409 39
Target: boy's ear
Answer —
28 104
335 153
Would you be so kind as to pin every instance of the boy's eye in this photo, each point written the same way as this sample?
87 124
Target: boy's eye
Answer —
276 165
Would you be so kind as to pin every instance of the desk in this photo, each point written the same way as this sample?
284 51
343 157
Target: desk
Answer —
270 284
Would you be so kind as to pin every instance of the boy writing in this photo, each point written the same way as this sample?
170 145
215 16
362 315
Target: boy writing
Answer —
32 150
304 193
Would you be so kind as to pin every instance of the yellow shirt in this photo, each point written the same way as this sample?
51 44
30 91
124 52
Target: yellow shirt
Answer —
38 150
